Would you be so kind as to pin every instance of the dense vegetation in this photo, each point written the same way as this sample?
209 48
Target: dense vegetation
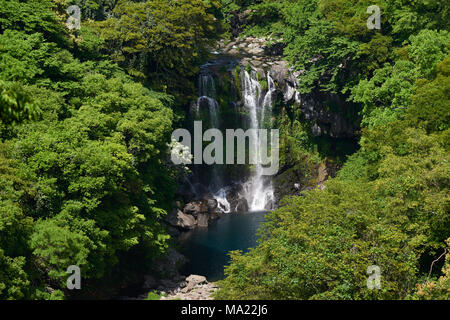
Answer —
86 116
389 204
86 181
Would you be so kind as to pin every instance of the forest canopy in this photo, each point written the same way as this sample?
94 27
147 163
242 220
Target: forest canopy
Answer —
84 178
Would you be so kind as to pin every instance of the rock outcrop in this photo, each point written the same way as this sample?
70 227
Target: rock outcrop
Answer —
195 214
235 196
179 219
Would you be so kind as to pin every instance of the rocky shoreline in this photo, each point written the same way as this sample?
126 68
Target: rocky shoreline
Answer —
193 287
201 213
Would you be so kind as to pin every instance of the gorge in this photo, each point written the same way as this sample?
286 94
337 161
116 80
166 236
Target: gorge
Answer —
238 92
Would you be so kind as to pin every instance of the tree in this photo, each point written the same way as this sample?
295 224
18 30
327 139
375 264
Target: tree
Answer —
160 40
15 104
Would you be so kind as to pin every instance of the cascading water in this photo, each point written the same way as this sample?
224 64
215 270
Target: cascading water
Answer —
258 189
207 95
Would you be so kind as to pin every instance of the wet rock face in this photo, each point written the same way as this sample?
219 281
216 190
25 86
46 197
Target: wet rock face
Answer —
294 181
235 196
315 110
264 58
212 205
241 205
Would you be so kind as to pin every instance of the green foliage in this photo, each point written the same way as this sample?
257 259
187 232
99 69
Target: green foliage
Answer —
159 39
32 16
15 104
13 279
330 41
153 296
319 247
429 108
88 182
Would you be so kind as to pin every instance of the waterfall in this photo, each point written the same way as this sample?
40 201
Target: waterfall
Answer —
258 189
267 103
221 197
207 96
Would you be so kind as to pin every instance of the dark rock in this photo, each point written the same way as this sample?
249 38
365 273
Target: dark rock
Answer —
276 49
149 282
242 205
213 216
173 231
178 204
235 196
169 264
212 205
167 284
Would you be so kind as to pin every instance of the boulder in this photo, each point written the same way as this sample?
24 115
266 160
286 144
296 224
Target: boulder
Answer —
194 280
279 71
256 63
186 221
196 207
181 220
255 51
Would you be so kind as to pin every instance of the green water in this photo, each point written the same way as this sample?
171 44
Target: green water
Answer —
207 249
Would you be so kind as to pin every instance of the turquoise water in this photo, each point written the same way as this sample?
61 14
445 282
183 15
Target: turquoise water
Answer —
207 249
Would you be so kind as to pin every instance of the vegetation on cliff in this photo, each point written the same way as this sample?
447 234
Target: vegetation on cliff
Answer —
389 204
